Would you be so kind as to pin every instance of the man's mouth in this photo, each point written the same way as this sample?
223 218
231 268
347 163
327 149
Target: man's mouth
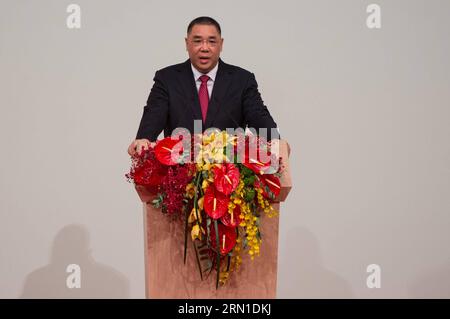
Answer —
204 59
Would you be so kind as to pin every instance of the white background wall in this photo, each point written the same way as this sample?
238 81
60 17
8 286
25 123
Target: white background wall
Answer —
366 113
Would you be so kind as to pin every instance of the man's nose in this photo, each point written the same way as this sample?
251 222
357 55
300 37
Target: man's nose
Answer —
204 47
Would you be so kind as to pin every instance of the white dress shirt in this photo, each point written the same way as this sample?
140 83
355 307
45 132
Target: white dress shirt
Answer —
212 78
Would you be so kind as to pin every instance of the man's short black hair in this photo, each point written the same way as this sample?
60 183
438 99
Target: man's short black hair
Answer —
204 20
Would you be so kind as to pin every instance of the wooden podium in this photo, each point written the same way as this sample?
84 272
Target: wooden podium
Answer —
166 276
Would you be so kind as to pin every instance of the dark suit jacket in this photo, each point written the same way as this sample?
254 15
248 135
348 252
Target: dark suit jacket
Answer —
173 102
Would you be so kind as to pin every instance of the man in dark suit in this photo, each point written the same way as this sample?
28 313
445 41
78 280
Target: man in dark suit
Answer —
204 88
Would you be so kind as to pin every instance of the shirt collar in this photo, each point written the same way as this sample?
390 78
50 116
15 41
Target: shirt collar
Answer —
212 74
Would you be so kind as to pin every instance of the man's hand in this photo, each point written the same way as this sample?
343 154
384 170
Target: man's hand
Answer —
137 145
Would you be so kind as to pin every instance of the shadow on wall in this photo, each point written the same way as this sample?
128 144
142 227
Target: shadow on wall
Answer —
71 246
310 279
434 283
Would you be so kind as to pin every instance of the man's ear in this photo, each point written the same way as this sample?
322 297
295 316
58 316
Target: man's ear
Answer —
221 44
186 42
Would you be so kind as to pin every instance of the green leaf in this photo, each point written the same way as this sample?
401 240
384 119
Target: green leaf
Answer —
249 180
246 171
249 194
157 202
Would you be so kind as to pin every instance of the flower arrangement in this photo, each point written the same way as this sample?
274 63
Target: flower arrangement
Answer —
218 185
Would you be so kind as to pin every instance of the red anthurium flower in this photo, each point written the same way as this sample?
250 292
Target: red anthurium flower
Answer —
270 184
226 178
168 151
215 203
227 238
253 161
232 220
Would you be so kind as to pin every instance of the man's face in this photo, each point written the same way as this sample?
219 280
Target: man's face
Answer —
204 45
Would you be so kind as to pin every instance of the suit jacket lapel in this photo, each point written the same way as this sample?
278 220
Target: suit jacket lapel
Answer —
221 84
190 89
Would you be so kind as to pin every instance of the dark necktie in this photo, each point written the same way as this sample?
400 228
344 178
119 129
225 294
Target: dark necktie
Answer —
203 95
